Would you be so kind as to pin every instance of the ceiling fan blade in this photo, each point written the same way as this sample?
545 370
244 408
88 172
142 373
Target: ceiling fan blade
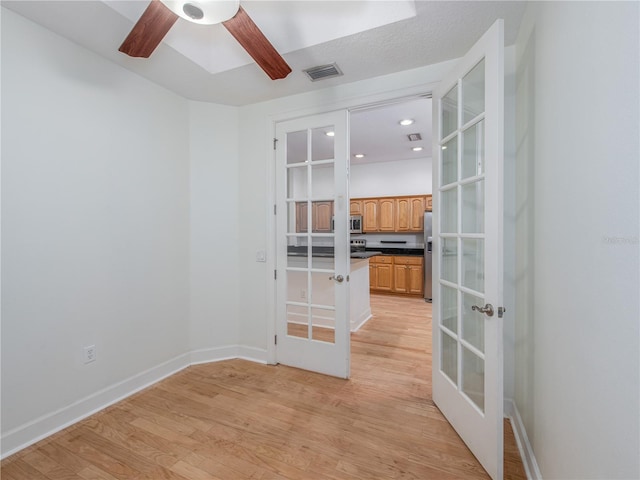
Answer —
247 33
149 31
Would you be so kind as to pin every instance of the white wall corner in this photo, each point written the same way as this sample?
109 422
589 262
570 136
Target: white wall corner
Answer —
258 355
215 354
522 440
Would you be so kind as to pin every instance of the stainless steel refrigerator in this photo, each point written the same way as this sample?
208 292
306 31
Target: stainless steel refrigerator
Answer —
428 257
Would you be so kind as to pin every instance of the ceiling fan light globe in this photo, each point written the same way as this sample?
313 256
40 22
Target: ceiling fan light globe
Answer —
212 11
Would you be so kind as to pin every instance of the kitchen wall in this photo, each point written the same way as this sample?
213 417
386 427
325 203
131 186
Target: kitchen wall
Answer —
105 176
577 338
386 179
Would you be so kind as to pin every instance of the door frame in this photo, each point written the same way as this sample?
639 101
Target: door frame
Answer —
350 104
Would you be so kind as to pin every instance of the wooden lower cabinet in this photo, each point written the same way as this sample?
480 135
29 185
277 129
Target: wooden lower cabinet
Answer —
408 275
396 274
381 273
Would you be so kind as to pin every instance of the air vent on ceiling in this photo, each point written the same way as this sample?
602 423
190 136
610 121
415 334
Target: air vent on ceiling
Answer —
414 137
323 71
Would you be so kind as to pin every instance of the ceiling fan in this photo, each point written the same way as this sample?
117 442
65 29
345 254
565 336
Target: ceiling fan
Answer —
160 16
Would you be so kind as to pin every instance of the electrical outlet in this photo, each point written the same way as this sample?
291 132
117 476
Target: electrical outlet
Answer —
89 354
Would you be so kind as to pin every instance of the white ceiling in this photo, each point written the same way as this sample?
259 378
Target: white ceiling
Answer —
439 31
366 38
377 133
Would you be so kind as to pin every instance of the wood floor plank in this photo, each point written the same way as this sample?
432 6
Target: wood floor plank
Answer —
242 420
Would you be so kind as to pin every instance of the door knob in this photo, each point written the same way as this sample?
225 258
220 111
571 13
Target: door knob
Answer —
487 309
337 278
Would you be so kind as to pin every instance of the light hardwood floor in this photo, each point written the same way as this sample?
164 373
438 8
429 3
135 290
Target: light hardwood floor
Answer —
240 420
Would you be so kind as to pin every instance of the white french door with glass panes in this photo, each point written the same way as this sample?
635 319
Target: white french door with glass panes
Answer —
467 339
312 259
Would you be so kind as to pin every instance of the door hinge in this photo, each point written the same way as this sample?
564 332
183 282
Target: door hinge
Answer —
275 141
275 339
275 274
274 209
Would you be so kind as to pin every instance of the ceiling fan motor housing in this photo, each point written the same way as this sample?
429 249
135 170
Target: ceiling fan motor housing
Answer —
204 12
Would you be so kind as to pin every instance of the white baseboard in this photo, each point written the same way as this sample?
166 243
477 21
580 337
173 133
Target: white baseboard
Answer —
522 440
357 325
217 354
46 425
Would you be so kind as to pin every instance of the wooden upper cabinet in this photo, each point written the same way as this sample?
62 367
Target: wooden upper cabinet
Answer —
392 214
428 203
321 217
301 217
410 214
355 207
417 213
370 215
387 215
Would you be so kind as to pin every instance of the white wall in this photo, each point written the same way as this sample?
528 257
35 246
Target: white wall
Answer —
577 343
95 225
385 179
215 172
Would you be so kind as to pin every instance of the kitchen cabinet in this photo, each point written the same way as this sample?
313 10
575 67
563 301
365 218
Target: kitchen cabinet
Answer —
355 207
410 214
408 273
387 215
392 214
396 274
428 203
370 215
321 216
381 273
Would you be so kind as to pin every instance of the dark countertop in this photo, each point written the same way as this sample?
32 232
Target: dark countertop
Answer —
327 252
411 252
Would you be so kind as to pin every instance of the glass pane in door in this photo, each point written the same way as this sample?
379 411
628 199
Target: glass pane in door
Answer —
449 308
450 161
322 143
449 211
472 321
473 264
473 377
473 93
297 147
449 356
450 112
473 207
473 150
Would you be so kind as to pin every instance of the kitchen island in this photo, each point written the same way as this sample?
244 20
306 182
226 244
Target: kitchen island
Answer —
323 287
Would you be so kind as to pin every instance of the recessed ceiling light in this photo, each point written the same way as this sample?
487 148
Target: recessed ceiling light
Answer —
417 149
444 147
359 155
405 122
330 134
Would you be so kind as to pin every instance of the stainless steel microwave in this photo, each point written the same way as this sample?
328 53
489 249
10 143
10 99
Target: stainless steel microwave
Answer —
355 224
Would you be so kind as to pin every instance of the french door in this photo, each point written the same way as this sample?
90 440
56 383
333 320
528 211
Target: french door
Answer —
468 151
312 264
